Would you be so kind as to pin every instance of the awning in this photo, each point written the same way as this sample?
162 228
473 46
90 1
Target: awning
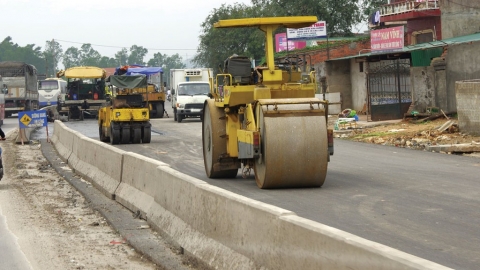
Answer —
421 46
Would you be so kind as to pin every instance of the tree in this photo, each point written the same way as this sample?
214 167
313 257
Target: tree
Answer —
122 57
53 54
166 63
30 54
216 45
106 62
89 56
71 58
137 53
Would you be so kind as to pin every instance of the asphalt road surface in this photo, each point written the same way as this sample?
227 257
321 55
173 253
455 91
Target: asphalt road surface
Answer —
422 203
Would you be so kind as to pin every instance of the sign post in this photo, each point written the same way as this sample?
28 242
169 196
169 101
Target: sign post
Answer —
33 119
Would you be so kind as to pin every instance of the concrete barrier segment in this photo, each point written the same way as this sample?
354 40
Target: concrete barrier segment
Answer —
63 140
220 228
305 244
98 162
138 182
194 243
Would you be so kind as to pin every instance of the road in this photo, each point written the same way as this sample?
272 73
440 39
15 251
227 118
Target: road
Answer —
422 203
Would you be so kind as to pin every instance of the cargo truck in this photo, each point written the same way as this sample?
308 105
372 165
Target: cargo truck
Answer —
85 92
19 84
190 89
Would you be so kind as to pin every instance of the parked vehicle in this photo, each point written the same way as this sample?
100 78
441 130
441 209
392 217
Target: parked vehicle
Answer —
190 89
85 92
126 118
154 95
19 81
51 91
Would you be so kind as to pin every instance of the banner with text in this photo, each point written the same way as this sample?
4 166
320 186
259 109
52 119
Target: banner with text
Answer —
281 43
32 119
316 30
388 39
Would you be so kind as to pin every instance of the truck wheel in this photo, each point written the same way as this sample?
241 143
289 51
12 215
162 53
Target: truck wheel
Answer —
179 118
125 135
174 114
147 135
114 135
160 109
137 135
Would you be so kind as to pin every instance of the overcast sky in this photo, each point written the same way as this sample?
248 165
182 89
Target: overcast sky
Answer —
167 27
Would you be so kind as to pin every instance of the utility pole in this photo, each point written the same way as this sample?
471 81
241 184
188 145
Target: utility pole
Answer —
54 63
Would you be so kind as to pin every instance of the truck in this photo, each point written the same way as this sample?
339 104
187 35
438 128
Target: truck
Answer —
273 126
126 118
19 83
85 92
190 89
153 94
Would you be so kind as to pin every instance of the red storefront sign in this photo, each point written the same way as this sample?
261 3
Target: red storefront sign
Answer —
388 39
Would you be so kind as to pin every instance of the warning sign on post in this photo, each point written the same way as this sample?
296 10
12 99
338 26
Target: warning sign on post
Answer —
32 119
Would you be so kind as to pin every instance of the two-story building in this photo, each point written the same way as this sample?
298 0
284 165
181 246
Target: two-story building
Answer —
419 48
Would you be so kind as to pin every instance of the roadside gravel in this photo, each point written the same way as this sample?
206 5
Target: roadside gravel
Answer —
58 227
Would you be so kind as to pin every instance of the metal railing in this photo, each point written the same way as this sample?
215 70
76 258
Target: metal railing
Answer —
407 6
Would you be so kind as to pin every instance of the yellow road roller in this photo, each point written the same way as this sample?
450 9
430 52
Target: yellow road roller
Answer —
266 120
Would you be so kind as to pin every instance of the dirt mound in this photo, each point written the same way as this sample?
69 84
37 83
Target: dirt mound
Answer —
410 134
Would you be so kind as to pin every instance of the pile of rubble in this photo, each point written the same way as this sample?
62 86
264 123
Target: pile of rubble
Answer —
439 135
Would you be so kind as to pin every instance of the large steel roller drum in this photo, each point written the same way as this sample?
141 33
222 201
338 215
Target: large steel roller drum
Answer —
294 148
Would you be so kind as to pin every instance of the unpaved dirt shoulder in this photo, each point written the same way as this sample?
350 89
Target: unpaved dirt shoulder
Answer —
55 226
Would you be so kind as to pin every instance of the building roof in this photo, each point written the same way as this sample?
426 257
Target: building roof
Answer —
421 46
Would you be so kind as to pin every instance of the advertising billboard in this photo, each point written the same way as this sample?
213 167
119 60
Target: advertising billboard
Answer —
282 45
388 39
316 30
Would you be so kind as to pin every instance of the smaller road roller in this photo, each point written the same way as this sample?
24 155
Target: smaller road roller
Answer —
125 118
268 121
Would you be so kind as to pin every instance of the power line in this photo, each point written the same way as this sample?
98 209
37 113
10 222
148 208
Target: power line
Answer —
121 47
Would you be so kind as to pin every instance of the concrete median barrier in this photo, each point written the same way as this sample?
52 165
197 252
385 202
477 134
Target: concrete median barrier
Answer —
138 183
229 231
220 228
62 139
99 162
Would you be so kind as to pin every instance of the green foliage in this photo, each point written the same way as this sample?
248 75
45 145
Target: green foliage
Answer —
137 53
30 54
216 45
166 63
52 54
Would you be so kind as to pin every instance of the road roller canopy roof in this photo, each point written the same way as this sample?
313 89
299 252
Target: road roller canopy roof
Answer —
288 22
130 82
84 73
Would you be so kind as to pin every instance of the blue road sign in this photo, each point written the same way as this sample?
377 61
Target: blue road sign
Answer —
32 119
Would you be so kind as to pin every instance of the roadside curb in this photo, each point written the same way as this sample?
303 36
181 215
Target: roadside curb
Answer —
136 232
